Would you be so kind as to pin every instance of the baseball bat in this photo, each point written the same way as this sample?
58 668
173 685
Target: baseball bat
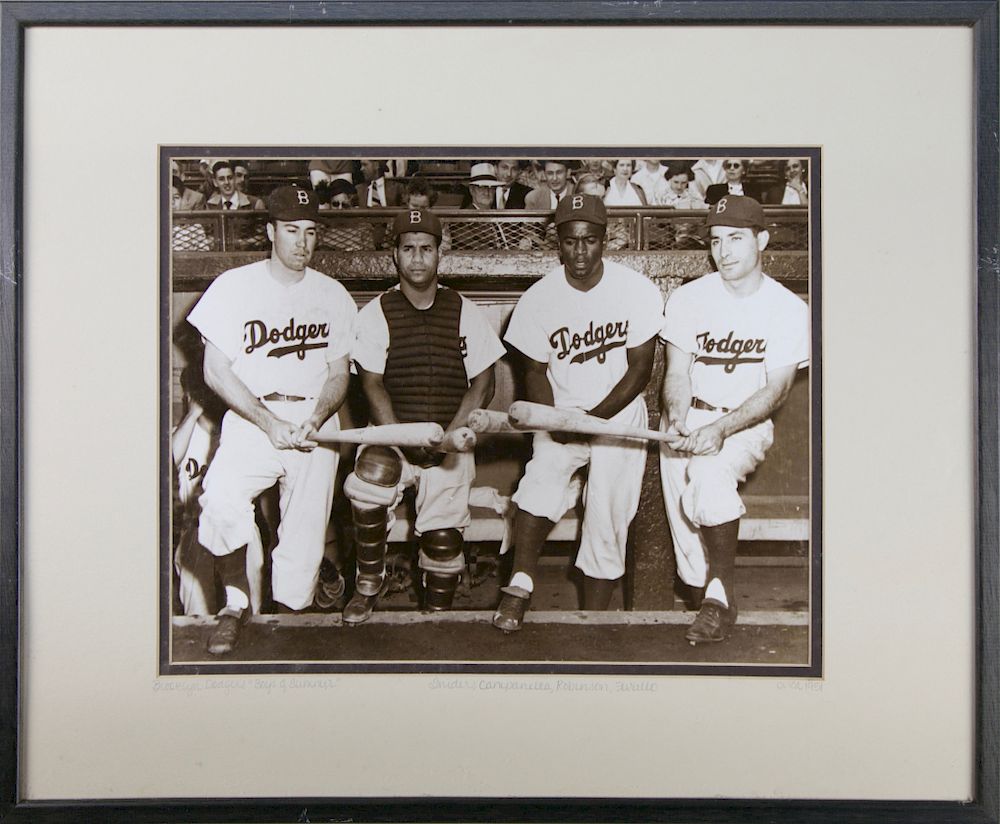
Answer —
537 416
462 439
393 434
486 420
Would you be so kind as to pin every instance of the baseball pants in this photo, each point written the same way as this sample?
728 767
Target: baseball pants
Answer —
703 490
195 567
245 464
610 497
442 492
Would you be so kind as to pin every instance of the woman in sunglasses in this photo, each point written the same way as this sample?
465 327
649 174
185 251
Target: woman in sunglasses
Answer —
734 169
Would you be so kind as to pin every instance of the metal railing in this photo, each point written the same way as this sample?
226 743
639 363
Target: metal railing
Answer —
466 230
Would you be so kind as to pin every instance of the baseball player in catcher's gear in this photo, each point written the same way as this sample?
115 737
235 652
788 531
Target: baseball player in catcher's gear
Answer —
587 333
277 339
424 353
735 340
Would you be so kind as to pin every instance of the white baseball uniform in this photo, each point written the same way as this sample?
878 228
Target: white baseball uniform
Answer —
735 342
583 337
195 566
442 500
279 339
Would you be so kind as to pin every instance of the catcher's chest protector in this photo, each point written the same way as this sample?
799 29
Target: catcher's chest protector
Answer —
424 370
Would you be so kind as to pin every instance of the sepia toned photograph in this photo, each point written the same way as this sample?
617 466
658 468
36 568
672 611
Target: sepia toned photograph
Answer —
490 411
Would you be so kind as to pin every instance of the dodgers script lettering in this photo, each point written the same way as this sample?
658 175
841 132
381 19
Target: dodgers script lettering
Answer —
735 348
256 334
601 337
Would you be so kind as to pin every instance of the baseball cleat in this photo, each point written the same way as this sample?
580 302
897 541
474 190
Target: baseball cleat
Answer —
359 608
227 631
330 587
510 614
712 623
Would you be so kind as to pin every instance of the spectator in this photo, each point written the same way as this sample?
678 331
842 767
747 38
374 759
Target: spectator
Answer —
675 191
621 191
341 235
511 193
483 184
419 194
557 185
207 187
377 193
795 193
182 198
735 169
225 196
329 169
599 167
241 173
648 175
704 173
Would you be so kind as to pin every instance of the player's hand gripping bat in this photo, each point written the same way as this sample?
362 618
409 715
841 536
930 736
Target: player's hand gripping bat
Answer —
540 418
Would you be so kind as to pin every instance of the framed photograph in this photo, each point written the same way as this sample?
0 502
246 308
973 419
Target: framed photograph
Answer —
653 225
407 410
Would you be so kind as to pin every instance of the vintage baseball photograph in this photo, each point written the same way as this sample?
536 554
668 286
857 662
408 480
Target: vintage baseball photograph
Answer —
473 411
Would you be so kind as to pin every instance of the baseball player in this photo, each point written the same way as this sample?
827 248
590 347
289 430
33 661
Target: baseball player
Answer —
586 332
424 353
277 339
735 340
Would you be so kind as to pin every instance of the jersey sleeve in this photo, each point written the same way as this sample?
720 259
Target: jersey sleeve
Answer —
525 331
678 326
791 346
646 319
481 347
216 315
371 338
342 343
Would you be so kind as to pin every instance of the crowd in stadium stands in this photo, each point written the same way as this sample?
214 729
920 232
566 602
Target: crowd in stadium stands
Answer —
475 185
382 183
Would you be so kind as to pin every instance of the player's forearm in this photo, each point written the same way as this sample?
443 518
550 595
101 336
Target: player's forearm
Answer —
635 379
479 393
379 403
331 398
225 384
181 437
758 407
675 400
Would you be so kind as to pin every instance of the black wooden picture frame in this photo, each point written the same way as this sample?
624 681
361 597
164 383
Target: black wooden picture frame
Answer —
980 16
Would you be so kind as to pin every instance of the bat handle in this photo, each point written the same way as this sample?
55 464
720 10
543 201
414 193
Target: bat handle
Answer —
462 439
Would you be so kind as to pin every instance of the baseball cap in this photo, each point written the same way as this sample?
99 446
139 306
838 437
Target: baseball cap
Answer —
738 211
292 203
582 207
416 220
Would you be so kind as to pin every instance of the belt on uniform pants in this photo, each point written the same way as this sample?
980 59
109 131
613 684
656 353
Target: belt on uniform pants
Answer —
698 403
277 396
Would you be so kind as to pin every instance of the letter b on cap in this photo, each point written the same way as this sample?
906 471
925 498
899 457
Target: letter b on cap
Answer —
577 201
414 217
720 207
303 196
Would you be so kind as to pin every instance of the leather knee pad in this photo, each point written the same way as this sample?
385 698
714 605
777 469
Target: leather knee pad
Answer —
442 560
379 465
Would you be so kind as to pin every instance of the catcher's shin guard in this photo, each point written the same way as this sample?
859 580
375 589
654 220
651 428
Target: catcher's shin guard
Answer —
370 540
442 561
376 473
